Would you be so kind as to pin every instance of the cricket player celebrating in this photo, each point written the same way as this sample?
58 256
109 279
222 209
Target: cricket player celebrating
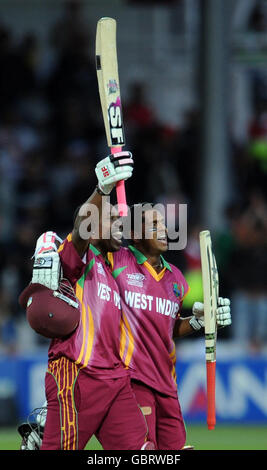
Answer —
87 386
152 293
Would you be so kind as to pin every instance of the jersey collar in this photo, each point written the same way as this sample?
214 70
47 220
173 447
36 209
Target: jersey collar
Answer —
94 250
97 253
141 258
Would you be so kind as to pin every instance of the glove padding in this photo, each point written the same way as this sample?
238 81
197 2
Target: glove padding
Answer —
48 241
32 436
223 314
47 266
32 433
112 169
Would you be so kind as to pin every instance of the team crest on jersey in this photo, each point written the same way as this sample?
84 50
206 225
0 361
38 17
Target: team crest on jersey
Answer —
136 279
178 290
100 269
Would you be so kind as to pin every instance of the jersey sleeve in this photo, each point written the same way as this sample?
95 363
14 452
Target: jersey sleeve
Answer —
72 264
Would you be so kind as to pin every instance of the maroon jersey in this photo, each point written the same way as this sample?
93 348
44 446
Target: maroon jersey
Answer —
94 345
151 304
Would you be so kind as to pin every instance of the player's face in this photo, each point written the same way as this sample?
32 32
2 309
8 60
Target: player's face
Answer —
154 233
111 230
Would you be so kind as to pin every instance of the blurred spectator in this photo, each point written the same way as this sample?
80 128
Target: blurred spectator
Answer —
52 134
8 337
246 272
257 150
188 155
258 17
137 112
192 270
71 29
73 178
17 67
74 73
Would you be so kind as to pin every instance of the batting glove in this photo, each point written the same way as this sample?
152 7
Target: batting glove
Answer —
197 320
32 433
47 242
223 314
112 169
47 267
32 441
42 415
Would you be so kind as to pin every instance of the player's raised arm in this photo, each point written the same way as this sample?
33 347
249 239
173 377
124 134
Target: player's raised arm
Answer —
81 243
47 268
110 170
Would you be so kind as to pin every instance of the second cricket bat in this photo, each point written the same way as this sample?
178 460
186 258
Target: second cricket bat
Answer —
210 284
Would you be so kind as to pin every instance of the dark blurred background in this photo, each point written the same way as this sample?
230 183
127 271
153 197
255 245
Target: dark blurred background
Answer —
194 92
193 81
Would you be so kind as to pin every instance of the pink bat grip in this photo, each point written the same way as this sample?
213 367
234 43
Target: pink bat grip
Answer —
120 189
211 408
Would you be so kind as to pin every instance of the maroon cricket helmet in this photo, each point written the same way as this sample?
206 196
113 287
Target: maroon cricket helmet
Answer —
51 313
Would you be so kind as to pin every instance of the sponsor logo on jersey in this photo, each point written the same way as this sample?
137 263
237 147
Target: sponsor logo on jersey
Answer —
100 269
136 279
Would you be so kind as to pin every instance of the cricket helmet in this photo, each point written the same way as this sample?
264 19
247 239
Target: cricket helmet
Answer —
32 431
51 313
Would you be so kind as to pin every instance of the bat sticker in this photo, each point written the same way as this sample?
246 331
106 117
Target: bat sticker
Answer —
98 62
115 121
112 86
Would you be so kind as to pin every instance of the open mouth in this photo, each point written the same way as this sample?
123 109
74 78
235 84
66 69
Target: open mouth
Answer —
163 239
117 236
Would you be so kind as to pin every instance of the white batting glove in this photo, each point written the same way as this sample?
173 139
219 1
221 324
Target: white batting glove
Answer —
197 320
33 442
47 265
41 416
112 169
47 242
223 314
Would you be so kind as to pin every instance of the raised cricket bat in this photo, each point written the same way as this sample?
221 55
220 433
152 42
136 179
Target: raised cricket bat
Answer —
210 285
109 91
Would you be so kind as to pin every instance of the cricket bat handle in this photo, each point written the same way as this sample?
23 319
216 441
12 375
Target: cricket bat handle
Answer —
211 406
120 189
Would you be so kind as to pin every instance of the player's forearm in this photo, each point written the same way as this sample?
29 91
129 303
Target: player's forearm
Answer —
182 328
89 214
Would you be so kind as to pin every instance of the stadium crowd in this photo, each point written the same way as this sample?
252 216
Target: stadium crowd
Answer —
52 135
